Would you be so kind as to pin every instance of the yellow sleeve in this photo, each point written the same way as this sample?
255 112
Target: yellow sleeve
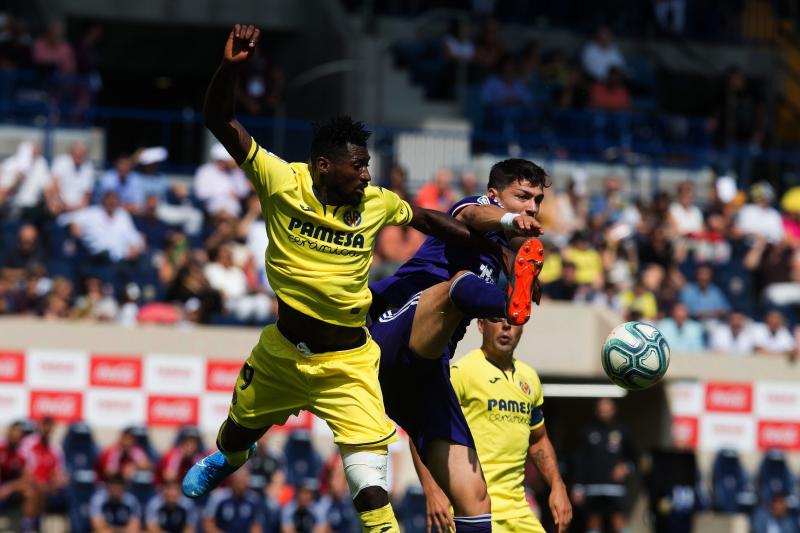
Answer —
267 172
457 380
398 212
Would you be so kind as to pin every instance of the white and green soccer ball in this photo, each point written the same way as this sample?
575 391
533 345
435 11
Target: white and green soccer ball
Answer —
635 355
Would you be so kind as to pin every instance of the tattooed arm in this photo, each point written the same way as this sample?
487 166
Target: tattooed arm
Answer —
543 456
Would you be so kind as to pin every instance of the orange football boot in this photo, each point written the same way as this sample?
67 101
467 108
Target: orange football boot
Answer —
523 273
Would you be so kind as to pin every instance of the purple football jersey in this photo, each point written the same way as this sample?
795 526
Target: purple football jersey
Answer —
435 262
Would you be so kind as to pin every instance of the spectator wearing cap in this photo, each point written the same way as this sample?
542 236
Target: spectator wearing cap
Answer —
734 336
174 203
73 179
601 54
220 184
773 336
123 457
126 182
113 509
760 219
180 458
682 333
170 511
234 509
304 514
703 299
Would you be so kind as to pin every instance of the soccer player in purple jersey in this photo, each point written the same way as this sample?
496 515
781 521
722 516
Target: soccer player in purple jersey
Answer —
422 311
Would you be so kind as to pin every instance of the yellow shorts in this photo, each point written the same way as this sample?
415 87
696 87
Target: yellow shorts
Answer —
520 524
341 388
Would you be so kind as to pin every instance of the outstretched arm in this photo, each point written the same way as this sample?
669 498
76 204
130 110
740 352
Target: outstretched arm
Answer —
493 218
450 230
543 456
219 108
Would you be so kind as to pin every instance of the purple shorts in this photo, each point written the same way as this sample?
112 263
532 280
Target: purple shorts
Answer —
417 392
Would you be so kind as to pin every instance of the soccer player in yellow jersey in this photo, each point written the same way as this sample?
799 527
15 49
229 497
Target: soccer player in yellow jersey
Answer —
322 218
502 400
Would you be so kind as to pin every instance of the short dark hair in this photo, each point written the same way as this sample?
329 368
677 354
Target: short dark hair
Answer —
332 136
505 172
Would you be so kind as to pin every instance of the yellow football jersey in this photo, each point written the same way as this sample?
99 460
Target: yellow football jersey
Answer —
318 256
500 408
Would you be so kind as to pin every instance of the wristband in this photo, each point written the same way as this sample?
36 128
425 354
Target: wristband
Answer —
507 221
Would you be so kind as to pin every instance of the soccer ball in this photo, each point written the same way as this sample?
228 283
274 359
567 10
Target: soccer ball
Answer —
635 355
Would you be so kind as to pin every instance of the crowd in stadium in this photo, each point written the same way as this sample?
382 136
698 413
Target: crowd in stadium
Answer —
127 245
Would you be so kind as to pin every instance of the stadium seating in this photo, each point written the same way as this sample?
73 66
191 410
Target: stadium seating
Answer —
732 490
774 477
80 449
302 460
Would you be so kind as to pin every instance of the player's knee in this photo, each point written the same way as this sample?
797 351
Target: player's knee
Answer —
366 476
458 275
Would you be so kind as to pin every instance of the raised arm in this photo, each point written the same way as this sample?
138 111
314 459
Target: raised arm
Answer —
219 108
543 456
452 231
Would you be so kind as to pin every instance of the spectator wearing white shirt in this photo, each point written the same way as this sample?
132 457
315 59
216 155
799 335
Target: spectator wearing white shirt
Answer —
601 54
773 336
685 217
229 279
73 178
24 179
106 230
220 184
760 219
734 336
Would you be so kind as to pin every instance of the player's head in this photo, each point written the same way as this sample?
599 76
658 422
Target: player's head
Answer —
339 159
500 338
518 184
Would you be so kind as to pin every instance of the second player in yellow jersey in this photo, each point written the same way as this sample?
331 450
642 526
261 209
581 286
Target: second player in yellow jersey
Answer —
502 400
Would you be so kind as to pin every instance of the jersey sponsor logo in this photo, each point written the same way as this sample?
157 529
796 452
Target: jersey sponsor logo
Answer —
525 387
352 217
512 406
322 233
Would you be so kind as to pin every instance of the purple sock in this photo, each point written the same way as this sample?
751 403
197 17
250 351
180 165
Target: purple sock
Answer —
473 524
477 298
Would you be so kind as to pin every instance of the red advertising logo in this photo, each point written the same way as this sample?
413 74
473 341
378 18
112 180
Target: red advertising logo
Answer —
729 397
108 371
12 367
62 406
684 431
171 410
784 435
221 375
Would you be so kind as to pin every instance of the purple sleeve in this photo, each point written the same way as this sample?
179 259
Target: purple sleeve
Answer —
471 200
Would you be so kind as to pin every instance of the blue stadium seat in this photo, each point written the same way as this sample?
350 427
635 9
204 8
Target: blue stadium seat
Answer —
411 511
302 460
81 488
732 490
774 477
80 449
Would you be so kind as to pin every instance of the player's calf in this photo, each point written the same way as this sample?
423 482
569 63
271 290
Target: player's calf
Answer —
365 471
